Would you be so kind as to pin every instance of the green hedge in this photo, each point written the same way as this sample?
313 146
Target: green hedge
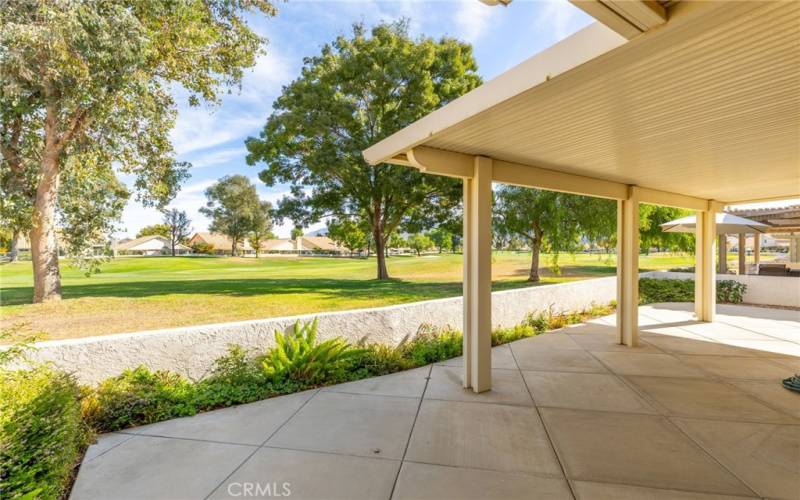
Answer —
652 290
42 434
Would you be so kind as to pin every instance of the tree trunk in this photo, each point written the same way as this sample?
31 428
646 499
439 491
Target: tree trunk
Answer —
380 253
44 248
380 242
233 247
172 242
533 277
14 251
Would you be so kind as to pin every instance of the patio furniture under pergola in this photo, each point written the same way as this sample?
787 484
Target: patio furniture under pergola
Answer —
687 104
726 224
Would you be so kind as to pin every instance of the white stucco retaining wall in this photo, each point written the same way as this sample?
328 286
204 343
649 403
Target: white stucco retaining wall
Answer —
761 290
191 351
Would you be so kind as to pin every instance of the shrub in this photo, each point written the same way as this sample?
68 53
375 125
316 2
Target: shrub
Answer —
653 290
138 396
506 335
41 432
378 359
433 344
730 292
540 322
297 356
236 378
202 247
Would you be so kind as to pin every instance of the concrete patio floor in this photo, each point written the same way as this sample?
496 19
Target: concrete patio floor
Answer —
696 412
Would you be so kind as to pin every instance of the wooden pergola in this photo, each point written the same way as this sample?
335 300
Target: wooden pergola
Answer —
782 221
688 104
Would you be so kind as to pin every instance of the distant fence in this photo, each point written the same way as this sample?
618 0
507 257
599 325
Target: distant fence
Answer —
192 350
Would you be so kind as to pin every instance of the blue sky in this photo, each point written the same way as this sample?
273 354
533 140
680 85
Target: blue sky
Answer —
212 138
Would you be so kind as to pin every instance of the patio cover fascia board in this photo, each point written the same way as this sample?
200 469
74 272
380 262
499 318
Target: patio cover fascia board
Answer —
629 18
450 164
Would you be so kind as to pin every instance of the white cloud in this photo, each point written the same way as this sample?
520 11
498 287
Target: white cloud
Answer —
263 82
472 19
202 128
241 113
220 157
559 17
197 187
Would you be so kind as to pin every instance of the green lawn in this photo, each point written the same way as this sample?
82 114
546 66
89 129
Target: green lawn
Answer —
132 294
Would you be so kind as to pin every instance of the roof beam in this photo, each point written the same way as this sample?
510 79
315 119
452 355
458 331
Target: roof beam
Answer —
629 18
441 162
553 180
667 199
450 164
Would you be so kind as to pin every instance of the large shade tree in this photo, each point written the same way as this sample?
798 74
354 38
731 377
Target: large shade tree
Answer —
261 230
235 209
89 82
548 220
652 236
357 91
349 234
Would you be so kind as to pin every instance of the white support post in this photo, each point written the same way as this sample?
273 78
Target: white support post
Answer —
478 277
628 269
467 283
705 280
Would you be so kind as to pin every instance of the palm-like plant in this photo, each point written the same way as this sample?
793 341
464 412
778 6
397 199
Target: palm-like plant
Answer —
298 356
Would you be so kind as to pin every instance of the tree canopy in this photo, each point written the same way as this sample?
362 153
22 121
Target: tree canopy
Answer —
154 230
86 90
235 209
261 229
547 220
349 234
179 227
650 234
420 242
357 91
442 238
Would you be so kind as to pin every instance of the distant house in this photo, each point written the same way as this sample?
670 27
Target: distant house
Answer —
320 244
98 247
221 243
301 245
282 245
151 245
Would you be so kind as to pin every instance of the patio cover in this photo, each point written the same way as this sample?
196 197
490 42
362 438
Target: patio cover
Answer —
698 112
725 223
707 105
